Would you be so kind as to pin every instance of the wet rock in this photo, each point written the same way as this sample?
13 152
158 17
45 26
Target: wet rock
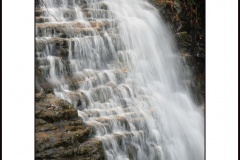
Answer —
46 127
182 35
54 109
61 134
39 96
91 149
187 21
62 52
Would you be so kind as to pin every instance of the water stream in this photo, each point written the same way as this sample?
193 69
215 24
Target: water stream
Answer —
116 62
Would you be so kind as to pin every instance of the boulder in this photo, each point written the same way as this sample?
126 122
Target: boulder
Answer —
61 134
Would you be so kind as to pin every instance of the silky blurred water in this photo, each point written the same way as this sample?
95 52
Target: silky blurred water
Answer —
129 79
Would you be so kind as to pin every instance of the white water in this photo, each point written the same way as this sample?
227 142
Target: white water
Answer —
129 80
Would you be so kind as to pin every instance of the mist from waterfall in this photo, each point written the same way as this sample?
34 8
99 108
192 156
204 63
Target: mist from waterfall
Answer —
125 76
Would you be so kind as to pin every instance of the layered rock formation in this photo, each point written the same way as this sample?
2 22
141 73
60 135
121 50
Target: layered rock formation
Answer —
61 134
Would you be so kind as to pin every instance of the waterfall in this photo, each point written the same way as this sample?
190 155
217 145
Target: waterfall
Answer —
117 63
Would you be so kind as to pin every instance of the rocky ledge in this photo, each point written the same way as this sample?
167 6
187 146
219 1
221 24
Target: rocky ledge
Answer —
61 134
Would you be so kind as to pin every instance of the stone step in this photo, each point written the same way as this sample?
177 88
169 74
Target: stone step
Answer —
68 3
41 19
98 127
103 125
73 29
41 62
104 41
50 44
64 12
77 33
95 10
60 47
85 74
74 82
93 82
91 147
112 107
127 135
78 25
74 13
123 118
126 140
90 34
64 33
59 52
114 111
107 111
99 4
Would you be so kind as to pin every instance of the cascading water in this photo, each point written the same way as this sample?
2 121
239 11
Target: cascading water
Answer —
115 61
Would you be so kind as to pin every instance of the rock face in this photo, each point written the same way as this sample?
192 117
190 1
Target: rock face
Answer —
187 21
61 134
